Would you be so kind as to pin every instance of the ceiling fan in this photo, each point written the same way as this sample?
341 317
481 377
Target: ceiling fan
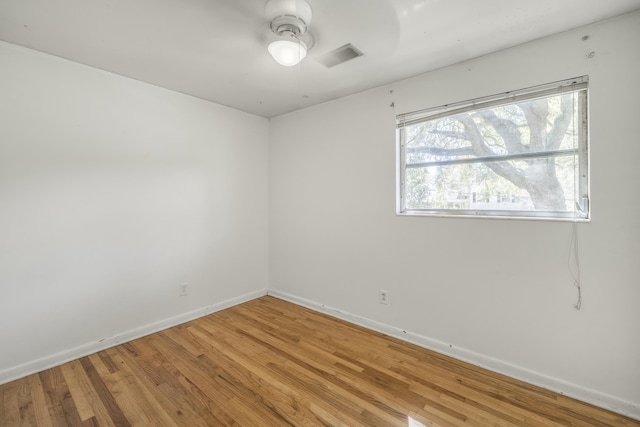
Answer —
290 38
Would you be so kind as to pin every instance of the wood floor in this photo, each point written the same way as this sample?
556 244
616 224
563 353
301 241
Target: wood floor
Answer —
271 363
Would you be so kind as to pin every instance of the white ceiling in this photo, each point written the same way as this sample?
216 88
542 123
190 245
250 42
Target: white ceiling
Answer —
214 49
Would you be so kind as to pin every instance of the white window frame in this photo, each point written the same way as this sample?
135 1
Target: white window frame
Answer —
582 209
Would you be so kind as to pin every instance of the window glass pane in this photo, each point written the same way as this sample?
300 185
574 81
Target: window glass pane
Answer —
476 186
530 126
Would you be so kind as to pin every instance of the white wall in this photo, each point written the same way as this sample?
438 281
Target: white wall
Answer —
496 292
113 192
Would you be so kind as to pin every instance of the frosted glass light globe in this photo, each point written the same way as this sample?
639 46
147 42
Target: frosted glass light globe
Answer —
288 52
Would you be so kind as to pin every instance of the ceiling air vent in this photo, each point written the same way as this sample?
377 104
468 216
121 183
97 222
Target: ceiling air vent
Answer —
340 55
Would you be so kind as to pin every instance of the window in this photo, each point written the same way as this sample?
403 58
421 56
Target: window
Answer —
518 154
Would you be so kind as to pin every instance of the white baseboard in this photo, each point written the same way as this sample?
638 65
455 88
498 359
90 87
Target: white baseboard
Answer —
575 391
57 359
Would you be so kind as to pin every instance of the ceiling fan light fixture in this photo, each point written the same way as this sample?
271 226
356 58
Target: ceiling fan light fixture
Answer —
289 20
288 50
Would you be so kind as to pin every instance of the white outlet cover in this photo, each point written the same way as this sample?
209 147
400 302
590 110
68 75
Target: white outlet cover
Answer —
383 297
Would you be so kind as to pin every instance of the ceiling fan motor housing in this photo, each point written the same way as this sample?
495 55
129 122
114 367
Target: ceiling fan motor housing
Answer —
288 16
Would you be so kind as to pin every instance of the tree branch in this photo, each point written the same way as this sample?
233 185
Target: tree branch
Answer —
482 150
536 112
561 123
507 129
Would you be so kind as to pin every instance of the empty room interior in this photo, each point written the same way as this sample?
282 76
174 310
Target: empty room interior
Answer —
321 212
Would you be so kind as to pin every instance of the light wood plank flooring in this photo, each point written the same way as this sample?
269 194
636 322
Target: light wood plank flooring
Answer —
271 363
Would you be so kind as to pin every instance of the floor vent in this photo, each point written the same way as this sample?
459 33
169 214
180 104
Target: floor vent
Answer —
339 56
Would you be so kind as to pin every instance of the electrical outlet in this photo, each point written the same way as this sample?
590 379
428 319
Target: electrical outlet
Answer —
183 289
383 297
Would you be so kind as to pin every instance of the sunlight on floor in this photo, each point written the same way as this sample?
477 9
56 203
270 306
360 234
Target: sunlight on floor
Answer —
414 423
